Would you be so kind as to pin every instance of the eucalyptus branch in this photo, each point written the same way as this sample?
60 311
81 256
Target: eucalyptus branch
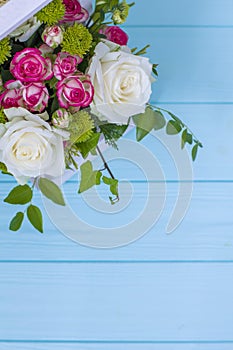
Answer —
195 139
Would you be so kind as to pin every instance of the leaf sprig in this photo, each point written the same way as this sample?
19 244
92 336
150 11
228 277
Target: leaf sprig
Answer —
153 118
23 194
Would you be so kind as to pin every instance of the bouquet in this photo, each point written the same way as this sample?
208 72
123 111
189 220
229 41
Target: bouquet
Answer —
68 82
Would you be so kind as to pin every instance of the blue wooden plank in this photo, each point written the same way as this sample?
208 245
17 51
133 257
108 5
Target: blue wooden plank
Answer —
194 63
213 125
120 346
156 302
205 233
182 12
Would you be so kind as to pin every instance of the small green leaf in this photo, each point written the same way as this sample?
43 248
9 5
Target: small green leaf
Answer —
35 217
174 117
16 222
19 195
148 121
173 127
113 183
51 191
186 138
194 152
89 145
89 177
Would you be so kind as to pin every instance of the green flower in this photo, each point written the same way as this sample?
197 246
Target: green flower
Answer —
3 118
5 50
76 40
81 127
52 13
121 13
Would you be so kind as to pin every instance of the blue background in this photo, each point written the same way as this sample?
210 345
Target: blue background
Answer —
163 292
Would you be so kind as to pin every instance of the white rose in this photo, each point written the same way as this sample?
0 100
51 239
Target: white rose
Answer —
122 82
26 30
30 147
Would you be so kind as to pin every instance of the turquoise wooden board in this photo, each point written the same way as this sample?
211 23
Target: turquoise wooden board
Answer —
181 13
205 233
194 63
112 302
163 292
72 345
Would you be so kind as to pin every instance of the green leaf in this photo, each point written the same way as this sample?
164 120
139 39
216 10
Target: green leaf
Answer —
35 217
174 117
51 191
6 75
19 195
89 145
89 177
55 105
113 183
186 137
16 222
194 151
148 121
173 127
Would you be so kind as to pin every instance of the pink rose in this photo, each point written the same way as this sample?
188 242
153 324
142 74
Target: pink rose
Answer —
115 34
65 64
12 96
74 12
35 96
52 36
29 65
75 91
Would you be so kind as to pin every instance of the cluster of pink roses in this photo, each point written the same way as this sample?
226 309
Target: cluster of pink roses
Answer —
32 70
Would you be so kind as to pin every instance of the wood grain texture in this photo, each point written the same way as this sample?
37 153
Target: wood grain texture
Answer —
163 292
205 233
181 13
168 302
56 345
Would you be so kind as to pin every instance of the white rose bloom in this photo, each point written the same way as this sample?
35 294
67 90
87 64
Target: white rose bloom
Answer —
30 147
122 82
26 30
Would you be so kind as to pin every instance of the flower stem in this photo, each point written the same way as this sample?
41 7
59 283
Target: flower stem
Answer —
106 167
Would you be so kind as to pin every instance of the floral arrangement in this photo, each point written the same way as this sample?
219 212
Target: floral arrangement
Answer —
68 81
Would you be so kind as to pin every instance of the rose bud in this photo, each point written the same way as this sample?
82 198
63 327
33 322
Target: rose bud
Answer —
52 36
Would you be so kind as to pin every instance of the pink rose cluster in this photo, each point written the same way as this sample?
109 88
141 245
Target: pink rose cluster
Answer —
115 34
74 12
32 71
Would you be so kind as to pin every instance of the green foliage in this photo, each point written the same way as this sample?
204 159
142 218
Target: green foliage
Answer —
113 185
80 127
148 121
112 132
89 177
16 222
176 126
89 145
173 127
114 11
35 217
51 191
19 195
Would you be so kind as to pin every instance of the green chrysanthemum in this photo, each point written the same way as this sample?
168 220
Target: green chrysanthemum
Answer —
5 50
120 14
52 13
77 40
3 118
81 127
